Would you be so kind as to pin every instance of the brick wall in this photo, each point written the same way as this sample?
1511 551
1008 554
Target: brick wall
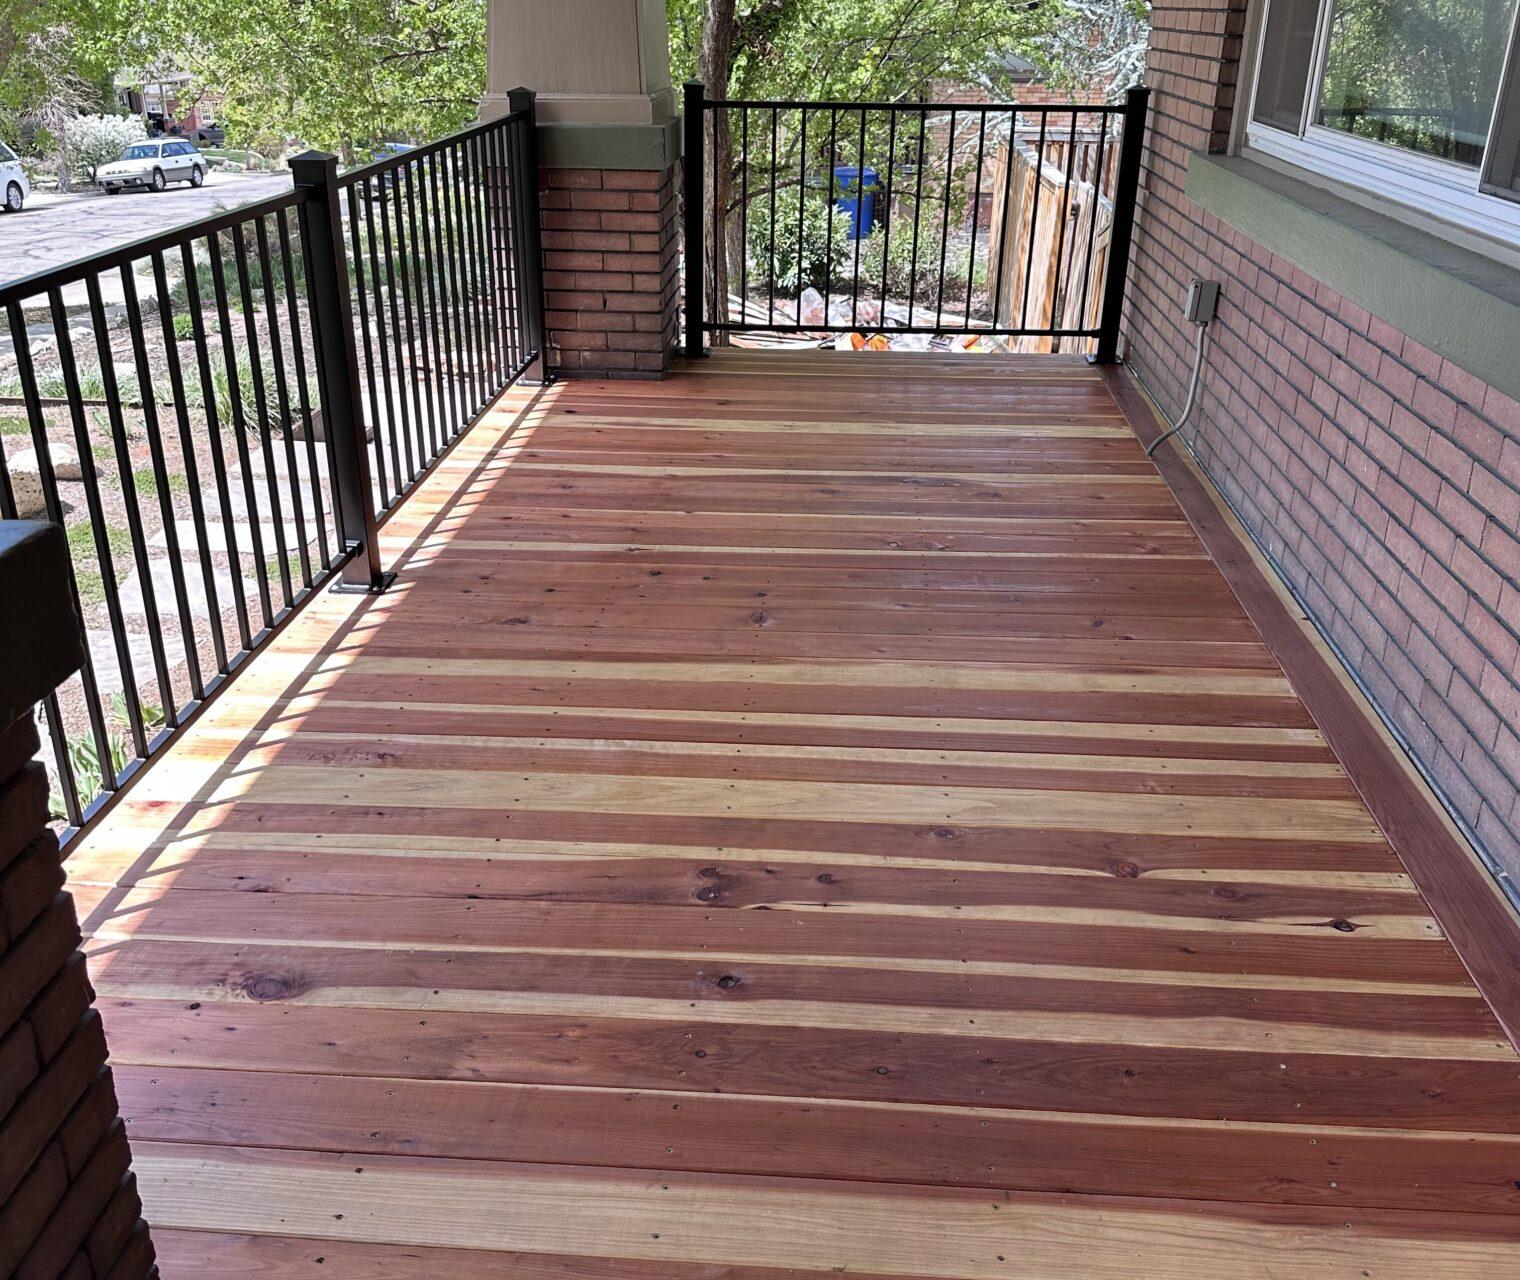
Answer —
610 238
1383 480
68 1202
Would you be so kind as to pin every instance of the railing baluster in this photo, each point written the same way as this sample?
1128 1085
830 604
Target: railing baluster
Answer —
1058 294
770 262
415 260
1092 222
478 311
166 506
944 232
261 412
449 281
282 399
192 474
382 341
459 255
887 218
480 204
828 252
371 371
976 210
216 448
744 214
403 479
240 434
694 190
138 540
918 212
1034 223
438 282
857 227
103 558
802 190
1011 152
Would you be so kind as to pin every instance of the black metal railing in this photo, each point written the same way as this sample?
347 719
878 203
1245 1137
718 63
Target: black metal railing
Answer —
220 416
931 220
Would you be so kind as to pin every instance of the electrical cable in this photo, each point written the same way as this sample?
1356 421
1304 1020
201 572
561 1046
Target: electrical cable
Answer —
1192 395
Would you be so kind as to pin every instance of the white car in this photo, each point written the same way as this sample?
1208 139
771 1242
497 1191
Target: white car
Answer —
14 187
154 164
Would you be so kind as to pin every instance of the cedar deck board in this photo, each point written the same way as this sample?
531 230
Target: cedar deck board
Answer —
729 747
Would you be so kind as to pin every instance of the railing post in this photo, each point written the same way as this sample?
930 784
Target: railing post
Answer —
1126 196
332 325
694 177
529 267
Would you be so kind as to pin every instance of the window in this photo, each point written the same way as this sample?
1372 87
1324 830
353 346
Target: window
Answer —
1413 100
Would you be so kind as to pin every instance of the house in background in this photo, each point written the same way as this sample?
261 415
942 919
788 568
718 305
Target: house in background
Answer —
163 97
1359 399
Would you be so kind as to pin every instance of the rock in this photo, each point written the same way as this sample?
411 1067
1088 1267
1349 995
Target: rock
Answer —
30 501
133 605
104 659
63 456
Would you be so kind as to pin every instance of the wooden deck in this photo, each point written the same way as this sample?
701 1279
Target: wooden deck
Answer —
811 816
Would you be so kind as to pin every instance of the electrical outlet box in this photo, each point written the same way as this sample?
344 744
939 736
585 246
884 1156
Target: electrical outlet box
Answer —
1202 300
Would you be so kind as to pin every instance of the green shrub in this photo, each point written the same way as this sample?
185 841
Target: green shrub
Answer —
84 756
776 266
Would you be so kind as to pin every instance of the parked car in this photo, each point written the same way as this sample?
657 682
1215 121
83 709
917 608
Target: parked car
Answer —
14 186
211 135
154 164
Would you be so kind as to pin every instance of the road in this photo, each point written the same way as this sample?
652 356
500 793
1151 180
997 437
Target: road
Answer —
55 229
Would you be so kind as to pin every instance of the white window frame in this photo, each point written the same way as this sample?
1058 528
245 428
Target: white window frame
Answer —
1427 185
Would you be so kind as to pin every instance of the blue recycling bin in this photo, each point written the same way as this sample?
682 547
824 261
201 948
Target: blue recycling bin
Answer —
855 192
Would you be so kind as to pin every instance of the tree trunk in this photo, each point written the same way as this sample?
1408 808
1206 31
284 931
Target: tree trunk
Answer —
716 68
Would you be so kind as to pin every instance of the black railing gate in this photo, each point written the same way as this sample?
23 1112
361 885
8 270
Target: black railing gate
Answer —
923 219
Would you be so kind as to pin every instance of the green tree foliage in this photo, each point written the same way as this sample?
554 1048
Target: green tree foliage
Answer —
338 74
53 65
883 50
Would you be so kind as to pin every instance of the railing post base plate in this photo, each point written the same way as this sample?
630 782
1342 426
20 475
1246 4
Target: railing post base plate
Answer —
341 588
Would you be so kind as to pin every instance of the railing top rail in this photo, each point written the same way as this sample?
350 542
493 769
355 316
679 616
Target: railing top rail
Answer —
124 255
1042 108
392 164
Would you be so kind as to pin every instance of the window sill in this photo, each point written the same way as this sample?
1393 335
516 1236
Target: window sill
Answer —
1459 303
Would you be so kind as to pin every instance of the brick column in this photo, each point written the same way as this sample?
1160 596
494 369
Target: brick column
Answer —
68 1201
609 158
610 277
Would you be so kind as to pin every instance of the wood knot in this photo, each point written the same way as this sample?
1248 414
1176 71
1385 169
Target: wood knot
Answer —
728 982
273 986
1128 870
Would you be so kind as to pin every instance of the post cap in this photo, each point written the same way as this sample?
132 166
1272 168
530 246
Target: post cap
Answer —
311 167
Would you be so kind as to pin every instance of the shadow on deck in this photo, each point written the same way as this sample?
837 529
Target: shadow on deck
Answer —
816 814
